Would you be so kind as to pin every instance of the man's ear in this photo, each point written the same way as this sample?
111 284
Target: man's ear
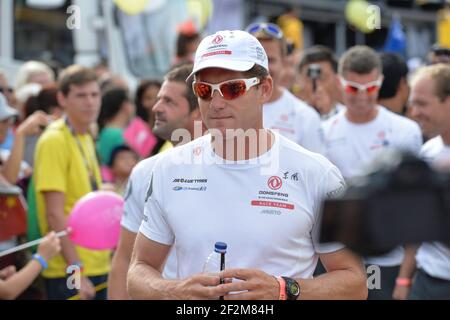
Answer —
266 86
61 99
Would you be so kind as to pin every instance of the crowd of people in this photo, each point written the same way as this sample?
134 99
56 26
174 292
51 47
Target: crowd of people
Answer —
322 119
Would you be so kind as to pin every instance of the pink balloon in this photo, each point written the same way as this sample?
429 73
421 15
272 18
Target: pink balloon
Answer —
95 220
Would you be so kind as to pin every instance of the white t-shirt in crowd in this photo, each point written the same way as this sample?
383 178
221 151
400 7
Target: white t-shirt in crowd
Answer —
352 147
269 219
338 107
434 257
295 120
134 206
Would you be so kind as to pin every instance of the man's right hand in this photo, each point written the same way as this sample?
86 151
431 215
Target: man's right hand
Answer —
199 287
87 289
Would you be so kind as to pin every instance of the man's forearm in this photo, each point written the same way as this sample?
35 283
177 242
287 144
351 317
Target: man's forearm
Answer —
117 279
11 167
337 285
57 222
146 283
408 266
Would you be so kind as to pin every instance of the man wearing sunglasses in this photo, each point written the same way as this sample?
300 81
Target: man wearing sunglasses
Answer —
293 118
363 131
211 190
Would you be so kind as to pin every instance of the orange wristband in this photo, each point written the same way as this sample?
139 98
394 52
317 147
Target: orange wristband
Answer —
403 282
282 284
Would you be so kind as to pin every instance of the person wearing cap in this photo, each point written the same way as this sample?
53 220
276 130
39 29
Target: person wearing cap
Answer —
284 112
364 131
244 185
12 161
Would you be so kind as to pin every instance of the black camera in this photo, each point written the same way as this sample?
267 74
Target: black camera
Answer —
406 203
314 72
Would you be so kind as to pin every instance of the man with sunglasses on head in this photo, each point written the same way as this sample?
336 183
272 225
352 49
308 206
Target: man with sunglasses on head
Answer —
217 189
284 112
362 132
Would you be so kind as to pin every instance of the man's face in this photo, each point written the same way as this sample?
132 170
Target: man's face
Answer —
276 59
244 112
171 109
361 103
82 103
432 114
328 80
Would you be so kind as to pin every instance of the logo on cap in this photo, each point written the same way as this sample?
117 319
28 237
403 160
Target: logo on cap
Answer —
218 39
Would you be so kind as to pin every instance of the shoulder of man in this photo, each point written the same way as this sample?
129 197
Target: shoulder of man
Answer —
55 134
308 159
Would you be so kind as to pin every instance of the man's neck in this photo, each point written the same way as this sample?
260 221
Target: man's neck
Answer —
276 94
244 147
446 137
78 128
362 118
392 104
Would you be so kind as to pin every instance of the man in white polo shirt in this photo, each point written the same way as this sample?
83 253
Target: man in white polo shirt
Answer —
176 108
360 133
261 194
284 112
430 105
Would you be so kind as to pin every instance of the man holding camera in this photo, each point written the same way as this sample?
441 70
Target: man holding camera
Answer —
319 81
365 130
293 118
430 105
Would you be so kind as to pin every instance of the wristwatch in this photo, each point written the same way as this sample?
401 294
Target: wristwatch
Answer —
292 288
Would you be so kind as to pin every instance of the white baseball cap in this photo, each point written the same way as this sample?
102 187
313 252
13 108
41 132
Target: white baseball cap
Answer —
235 50
6 111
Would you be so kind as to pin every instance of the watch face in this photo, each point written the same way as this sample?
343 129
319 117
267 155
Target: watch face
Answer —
294 289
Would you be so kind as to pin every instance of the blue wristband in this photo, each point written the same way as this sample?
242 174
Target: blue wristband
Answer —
41 260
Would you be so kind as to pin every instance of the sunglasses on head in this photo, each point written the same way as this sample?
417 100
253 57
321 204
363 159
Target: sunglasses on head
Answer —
269 28
354 88
229 90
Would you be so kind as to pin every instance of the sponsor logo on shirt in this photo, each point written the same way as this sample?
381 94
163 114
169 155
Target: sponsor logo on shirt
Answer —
274 182
183 180
180 188
381 141
274 204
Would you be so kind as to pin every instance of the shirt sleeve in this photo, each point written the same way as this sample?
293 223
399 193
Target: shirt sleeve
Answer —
154 223
312 137
51 164
134 205
331 186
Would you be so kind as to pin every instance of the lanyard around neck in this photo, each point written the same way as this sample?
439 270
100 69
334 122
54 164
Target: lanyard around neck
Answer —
90 171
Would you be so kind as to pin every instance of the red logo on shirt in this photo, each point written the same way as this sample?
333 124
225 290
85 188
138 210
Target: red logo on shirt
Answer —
197 151
218 39
274 183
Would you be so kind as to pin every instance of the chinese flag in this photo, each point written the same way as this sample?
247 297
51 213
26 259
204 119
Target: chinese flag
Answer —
13 217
